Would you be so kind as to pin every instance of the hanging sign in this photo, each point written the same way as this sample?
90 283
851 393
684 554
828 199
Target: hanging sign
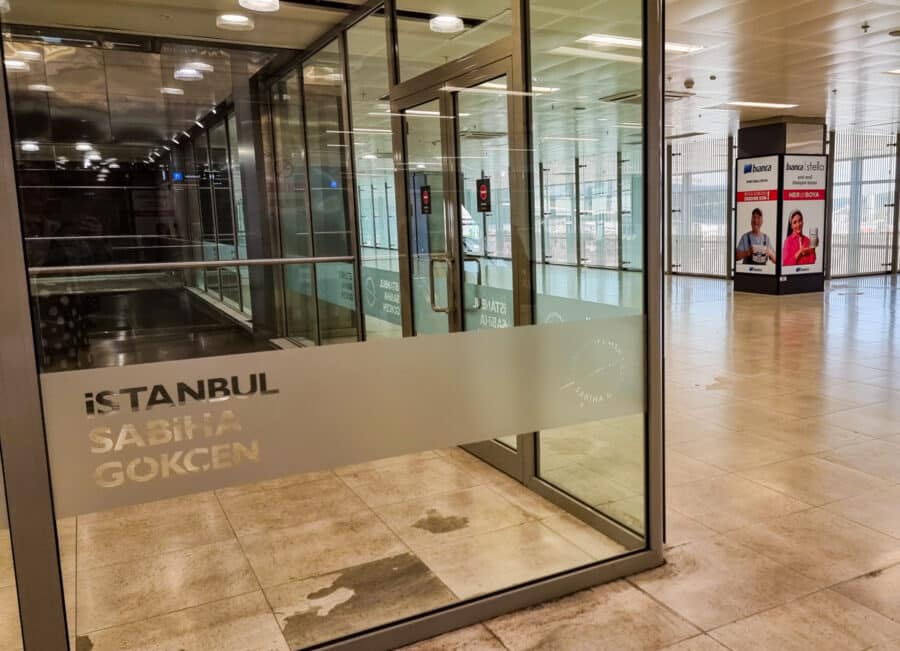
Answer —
483 192
425 196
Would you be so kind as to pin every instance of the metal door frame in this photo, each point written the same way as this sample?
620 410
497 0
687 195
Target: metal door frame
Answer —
518 463
22 438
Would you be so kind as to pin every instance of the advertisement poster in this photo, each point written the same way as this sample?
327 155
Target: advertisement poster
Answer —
803 214
756 238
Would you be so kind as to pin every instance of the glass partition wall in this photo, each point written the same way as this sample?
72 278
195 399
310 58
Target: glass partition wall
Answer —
341 335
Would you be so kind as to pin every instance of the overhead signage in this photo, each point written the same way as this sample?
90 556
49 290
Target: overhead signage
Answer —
756 246
425 197
803 214
483 192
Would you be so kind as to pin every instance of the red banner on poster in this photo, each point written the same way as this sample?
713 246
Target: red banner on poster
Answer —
804 195
757 195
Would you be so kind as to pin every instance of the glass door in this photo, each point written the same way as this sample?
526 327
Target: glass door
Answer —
459 222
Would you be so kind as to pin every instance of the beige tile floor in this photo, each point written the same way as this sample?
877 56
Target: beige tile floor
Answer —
783 477
783 487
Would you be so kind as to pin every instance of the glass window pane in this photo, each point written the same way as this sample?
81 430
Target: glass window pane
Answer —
373 151
326 143
597 148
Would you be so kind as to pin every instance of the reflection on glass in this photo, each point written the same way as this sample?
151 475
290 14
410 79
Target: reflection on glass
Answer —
427 226
10 629
589 193
484 207
373 151
326 143
424 46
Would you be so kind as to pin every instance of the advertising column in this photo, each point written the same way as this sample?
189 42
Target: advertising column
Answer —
803 214
756 249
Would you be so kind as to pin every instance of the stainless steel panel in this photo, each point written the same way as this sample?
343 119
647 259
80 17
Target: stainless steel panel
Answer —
75 69
79 116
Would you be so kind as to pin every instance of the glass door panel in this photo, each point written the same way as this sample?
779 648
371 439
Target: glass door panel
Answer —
430 258
483 167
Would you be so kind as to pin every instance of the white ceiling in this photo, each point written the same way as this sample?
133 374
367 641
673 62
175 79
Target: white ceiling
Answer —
813 53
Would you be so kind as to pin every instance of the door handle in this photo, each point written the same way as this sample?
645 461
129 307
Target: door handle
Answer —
431 262
479 277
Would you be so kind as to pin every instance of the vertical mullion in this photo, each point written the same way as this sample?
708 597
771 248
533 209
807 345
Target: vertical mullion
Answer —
669 173
350 190
829 203
26 463
309 215
730 212
895 236
452 212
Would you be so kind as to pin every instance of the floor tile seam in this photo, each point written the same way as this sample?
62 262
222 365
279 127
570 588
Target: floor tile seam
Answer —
576 545
793 497
253 491
478 482
846 465
807 595
159 555
156 554
630 581
493 634
253 571
733 539
405 544
765 520
345 517
170 612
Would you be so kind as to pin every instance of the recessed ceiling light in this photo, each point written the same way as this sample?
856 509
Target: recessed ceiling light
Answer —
30 145
501 86
14 65
93 155
167 148
28 55
370 157
200 65
186 134
171 90
113 166
260 5
595 54
610 40
446 24
41 88
234 22
188 74
771 105
83 146
893 72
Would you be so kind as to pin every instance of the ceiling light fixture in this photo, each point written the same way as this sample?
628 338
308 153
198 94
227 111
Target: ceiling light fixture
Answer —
113 166
167 148
171 90
610 40
234 22
260 5
445 24
83 146
893 72
41 88
4 6
595 54
186 133
770 105
496 85
30 145
200 65
188 74
14 65
93 156
370 157
199 124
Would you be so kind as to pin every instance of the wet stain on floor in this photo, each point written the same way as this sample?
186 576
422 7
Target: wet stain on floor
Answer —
434 522
83 643
364 596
